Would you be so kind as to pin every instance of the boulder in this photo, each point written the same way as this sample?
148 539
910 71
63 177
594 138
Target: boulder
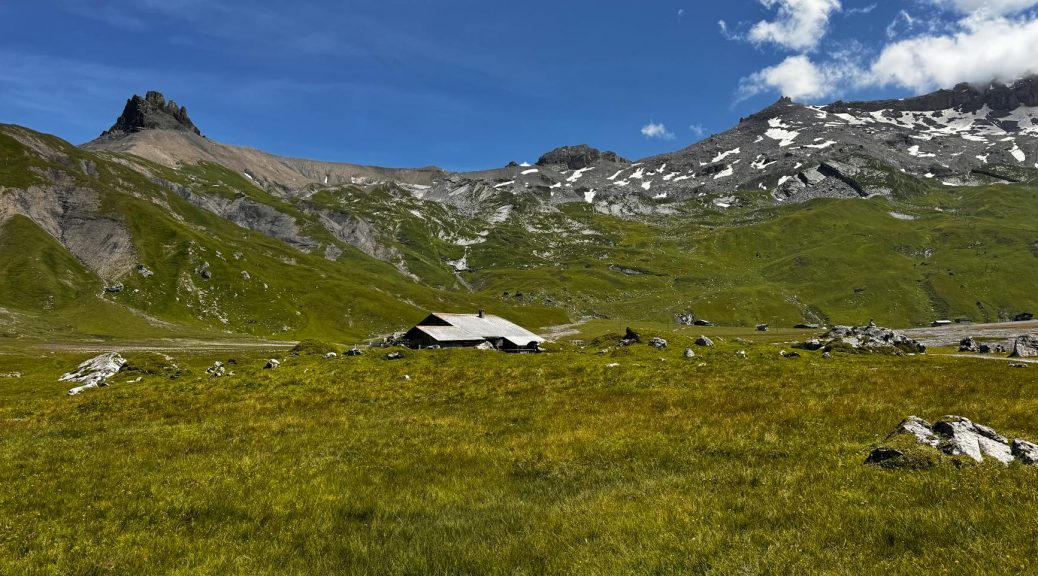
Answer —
960 436
704 341
1025 347
813 345
94 372
689 354
331 356
969 345
115 288
632 337
394 356
882 454
917 428
686 319
245 275
658 343
762 328
354 352
203 271
271 364
1025 452
144 271
741 354
217 370
11 375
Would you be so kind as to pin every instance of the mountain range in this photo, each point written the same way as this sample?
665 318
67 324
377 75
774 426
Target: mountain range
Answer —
905 211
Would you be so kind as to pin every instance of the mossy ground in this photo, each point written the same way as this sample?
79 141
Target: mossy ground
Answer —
466 462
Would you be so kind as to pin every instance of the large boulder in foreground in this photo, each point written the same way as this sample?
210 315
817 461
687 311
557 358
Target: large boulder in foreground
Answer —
915 443
94 372
874 338
1025 347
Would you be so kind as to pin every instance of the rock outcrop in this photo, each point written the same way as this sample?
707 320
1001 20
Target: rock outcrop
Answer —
915 443
95 372
152 112
1025 347
578 157
873 337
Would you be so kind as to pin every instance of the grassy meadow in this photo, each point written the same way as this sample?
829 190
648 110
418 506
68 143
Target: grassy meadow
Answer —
466 462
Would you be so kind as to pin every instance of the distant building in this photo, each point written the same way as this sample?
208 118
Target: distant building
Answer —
470 331
941 323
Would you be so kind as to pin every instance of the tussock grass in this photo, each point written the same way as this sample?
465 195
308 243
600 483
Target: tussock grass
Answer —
483 463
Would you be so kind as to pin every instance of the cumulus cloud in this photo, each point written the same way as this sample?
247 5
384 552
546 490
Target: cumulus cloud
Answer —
982 50
697 130
655 131
799 25
800 79
987 7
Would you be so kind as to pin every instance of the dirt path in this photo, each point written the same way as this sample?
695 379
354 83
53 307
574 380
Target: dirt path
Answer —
1004 333
563 330
171 345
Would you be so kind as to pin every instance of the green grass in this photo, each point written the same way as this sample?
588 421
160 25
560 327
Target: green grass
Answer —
482 463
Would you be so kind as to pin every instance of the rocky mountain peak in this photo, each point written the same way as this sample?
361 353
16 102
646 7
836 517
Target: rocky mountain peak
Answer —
152 112
578 157
963 97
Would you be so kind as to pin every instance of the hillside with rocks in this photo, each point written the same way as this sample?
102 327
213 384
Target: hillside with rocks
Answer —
764 223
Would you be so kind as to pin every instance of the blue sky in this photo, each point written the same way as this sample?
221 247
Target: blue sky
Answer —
467 84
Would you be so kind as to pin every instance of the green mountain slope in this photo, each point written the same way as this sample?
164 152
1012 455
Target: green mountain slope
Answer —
201 249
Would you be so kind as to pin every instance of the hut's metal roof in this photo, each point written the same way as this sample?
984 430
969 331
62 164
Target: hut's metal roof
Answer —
487 327
449 334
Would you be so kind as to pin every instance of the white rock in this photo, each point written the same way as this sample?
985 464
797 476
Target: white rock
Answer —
94 372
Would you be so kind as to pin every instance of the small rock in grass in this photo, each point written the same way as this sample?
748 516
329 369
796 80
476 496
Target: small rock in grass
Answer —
689 354
658 343
395 356
613 365
217 370
11 375
1026 452
330 356
1018 365
354 352
880 455
704 341
271 364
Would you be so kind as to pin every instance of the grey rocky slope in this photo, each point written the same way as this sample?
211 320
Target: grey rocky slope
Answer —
788 152
794 152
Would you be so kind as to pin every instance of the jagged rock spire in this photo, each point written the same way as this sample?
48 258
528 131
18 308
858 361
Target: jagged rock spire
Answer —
152 112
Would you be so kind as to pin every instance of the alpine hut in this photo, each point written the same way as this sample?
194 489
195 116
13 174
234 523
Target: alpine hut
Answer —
470 331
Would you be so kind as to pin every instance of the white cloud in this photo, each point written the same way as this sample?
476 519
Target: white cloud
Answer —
799 78
697 130
800 24
657 131
987 7
982 50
